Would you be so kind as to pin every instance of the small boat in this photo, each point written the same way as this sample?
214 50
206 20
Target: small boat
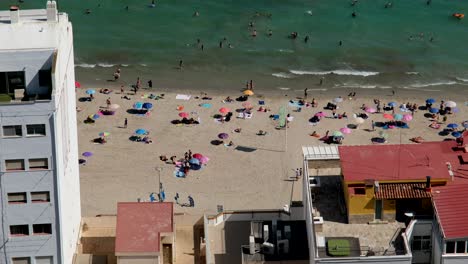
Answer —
458 15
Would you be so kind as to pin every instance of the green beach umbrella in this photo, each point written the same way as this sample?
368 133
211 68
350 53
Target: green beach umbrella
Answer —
383 135
337 134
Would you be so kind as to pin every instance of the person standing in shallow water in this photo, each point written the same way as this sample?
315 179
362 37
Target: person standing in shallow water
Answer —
181 62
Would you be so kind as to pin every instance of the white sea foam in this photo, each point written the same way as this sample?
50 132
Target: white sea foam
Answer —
420 89
421 85
85 65
337 72
309 12
105 65
124 65
461 79
285 50
284 88
282 75
144 65
412 73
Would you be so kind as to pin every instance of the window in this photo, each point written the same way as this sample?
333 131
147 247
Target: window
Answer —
40 197
44 260
45 78
17 198
12 131
14 165
360 191
20 261
36 130
450 247
19 230
421 243
460 247
38 164
42 229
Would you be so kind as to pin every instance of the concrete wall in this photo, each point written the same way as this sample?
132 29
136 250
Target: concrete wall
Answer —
29 61
138 260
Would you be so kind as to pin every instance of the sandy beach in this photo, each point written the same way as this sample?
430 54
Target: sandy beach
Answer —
123 170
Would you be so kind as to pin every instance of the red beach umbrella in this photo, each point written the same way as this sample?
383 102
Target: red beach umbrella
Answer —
224 110
77 84
197 155
388 116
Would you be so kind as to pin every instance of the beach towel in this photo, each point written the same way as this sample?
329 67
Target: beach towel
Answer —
183 97
295 104
261 102
275 117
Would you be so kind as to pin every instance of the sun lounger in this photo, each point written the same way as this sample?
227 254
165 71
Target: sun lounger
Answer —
183 97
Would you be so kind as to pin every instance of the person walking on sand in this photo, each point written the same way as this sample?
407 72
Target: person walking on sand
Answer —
108 102
125 123
305 93
373 125
138 84
321 81
122 89
251 85
150 84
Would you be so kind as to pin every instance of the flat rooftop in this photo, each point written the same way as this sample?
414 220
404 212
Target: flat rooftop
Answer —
27 15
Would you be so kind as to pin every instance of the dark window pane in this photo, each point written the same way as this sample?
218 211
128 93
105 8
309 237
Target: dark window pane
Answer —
460 246
40 197
42 229
12 131
36 130
45 78
450 247
19 230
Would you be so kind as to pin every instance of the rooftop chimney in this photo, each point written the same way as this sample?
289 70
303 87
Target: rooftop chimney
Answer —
14 14
428 183
52 15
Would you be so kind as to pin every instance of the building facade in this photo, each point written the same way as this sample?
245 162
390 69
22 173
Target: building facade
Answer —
39 175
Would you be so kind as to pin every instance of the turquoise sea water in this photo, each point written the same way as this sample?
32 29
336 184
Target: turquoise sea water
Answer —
376 50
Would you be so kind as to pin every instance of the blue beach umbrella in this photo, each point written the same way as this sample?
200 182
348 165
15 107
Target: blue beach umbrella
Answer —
434 110
147 105
456 134
205 105
140 131
398 117
96 116
194 161
392 104
138 105
430 101
452 125
90 91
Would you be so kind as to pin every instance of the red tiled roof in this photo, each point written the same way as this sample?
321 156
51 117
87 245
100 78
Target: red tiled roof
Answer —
402 191
393 162
139 226
451 204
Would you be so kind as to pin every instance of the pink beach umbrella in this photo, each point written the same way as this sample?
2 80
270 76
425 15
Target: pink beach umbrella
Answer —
224 110
407 117
204 159
320 114
184 114
370 110
345 130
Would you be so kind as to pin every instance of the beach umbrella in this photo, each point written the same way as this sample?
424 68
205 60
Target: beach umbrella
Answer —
77 84
104 134
337 134
338 100
388 116
248 92
345 130
194 161
398 117
138 105
359 120
434 110
450 104
184 114
197 155
383 135
205 105
90 91
87 154
370 110
147 105
407 117
204 159
430 100
392 104
224 110
114 106
456 134
180 108
141 131
321 114
452 125
223 135
247 105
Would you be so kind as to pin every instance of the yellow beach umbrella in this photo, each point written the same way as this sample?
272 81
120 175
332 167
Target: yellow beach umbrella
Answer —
248 92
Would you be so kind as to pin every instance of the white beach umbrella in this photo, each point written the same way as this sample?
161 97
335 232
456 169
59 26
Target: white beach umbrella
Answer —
359 120
450 104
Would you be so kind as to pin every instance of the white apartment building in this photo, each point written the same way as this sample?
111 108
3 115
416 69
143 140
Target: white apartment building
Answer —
39 175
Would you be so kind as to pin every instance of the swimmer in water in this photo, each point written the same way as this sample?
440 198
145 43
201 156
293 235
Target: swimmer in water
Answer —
230 46
88 11
254 33
153 4
354 14
126 8
270 33
389 4
196 14
306 39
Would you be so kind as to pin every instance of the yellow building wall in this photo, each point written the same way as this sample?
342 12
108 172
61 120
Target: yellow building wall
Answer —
389 206
360 204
